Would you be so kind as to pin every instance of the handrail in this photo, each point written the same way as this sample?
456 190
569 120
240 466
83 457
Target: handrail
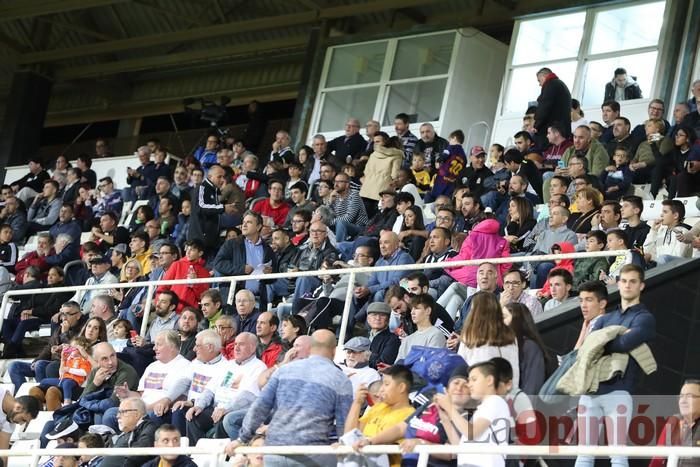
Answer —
673 453
352 271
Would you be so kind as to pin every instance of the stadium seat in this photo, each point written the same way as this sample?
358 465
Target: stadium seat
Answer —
126 210
9 387
184 442
652 210
643 191
33 430
691 206
22 445
24 389
137 204
204 460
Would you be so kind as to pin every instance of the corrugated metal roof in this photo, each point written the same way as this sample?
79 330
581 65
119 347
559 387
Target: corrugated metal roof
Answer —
139 20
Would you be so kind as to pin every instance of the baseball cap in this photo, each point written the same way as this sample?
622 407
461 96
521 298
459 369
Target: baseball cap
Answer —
357 344
477 150
461 371
379 307
63 428
121 248
102 259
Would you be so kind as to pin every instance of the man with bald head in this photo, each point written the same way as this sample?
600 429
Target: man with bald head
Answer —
592 150
304 401
391 255
207 208
349 146
430 144
312 254
109 373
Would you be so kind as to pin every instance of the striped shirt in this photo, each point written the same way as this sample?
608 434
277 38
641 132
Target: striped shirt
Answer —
350 209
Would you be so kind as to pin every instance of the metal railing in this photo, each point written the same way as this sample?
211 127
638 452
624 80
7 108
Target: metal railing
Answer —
218 457
352 271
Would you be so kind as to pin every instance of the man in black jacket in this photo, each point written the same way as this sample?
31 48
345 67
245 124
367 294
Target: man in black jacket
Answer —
207 209
384 219
312 254
553 105
349 146
384 344
138 431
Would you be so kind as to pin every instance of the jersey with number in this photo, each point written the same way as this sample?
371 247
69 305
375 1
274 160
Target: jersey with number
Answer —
452 166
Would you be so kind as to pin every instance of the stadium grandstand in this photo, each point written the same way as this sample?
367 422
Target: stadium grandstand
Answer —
349 232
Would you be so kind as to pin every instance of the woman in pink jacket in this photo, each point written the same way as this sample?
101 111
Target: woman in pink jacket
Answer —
483 242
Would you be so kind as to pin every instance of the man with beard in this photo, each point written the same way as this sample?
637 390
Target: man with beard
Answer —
20 410
430 144
477 171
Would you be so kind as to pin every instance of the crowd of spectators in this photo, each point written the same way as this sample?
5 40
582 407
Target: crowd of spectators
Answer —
262 367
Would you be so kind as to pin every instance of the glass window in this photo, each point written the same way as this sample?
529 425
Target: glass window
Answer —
550 38
598 73
422 101
356 64
627 28
338 106
423 56
525 89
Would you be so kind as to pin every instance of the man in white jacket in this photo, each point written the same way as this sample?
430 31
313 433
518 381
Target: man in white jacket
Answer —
662 244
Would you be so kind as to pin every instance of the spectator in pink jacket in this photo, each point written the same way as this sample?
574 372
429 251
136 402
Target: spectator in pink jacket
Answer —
483 242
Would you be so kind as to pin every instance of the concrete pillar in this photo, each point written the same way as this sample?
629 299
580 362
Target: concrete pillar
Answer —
25 112
310 80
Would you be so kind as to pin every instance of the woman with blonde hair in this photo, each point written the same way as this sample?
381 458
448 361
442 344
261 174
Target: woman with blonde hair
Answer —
485 335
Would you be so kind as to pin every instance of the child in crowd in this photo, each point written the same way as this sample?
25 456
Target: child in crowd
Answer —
490 423
122 329
588 269
73 372
450 166
295 170
616 179
617 240
394 407
420 172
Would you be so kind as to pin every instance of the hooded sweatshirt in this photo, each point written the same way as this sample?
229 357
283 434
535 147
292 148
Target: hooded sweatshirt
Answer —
483 242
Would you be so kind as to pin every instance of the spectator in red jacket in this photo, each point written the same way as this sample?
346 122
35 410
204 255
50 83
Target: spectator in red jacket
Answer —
270 349
189 267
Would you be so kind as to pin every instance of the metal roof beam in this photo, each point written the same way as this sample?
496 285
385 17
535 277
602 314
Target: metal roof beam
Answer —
208 32
160 61
18 9
76 28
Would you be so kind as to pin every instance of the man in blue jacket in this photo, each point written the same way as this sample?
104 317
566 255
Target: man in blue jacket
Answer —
613 401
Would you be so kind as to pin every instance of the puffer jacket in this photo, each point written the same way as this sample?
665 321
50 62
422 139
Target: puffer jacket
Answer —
383 165
483 242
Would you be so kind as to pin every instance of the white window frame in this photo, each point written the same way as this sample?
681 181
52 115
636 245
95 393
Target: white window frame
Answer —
384 83
584 56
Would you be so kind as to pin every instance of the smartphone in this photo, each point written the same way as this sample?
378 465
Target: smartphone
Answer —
133 334
561 164
370 401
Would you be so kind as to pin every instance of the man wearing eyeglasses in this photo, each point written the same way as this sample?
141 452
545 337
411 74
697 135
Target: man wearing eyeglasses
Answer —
313 253
71 321
137 431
